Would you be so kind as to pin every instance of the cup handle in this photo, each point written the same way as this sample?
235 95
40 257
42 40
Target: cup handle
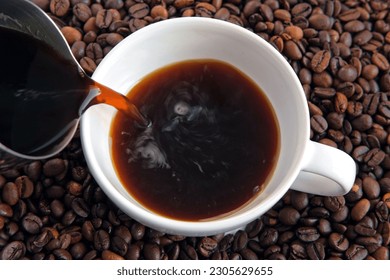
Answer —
326 171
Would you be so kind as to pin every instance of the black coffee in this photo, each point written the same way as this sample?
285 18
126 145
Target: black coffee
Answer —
41 92
212 146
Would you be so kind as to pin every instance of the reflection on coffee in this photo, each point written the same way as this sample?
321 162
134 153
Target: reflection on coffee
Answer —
212 145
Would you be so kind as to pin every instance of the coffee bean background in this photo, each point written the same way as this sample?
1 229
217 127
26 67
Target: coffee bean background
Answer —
340 50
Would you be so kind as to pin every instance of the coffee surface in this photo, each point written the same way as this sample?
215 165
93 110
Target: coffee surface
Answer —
212 145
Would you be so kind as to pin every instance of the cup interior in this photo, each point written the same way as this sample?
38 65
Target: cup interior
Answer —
181 39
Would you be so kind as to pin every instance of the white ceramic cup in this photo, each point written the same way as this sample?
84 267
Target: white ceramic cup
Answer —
302 165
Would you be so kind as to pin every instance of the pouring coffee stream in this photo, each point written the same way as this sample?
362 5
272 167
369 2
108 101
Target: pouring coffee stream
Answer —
43 89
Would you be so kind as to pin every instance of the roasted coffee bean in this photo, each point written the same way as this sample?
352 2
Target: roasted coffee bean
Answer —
315 251
133 252
139 10
292 50
137 231
380 61
320 21
82 12
59 7
318 124
80 207
207 246
382 253
360 209
109 255
78 251
320 61
254 228
356 252
88 64
248 254
363 122
338 242
289 216
32 223
10 193
334 203
188 252
297 252
240 241
268 237
307 234
101 240
13 251
324 92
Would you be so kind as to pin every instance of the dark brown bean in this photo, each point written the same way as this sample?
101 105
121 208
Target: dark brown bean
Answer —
13 251
59 7
360 209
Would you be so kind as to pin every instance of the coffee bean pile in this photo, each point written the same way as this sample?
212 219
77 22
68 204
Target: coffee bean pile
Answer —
340 50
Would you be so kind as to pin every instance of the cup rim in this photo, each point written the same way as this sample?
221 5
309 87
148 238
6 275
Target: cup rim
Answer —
189 228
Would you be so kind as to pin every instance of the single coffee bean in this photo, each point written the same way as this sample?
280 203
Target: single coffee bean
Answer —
349 15
32 223
188 252
318 124
133 252
10 194
338 242
347 73
253 228
324 92
240 241
101 240
354 26
78 251
139 10
13 251
294 31
362 123
291 50
362 37
248 254
59 7
320 61
289 216
301 9
223 13
119 245
356 252
320 22
82 12
88 64
334 203
80 207
360 209
137 231
71 34
62 254
382 253
340 103
109 255
297 252
315 251
380 61
307 234
91 255
54 167
268 237
207 246
104 18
